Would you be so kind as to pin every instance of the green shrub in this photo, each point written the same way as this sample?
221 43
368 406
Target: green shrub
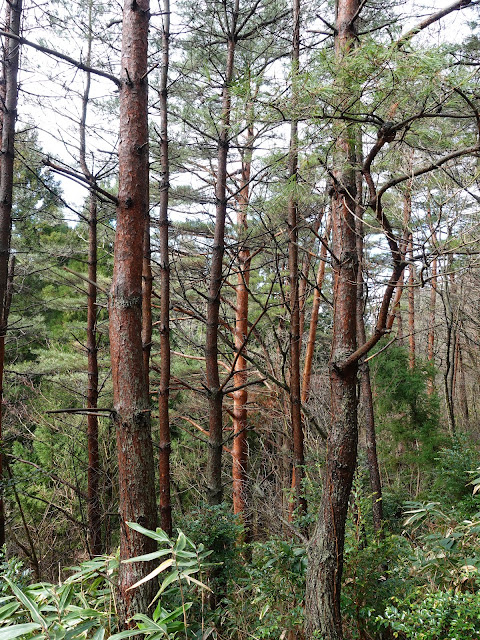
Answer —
444 615
83 605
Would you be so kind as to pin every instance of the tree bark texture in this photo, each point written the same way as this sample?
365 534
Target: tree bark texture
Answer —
461 384
164 388
240 378
431 324
450 343
215 393
6 311
147 285
312 333
411 306
9 115
94 520
131 402
322 597
364 370
292 223
304 274
93 472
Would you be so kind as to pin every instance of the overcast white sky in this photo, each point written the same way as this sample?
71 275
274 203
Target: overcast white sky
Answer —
56 120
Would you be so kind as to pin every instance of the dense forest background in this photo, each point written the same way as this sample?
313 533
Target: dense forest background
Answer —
239 292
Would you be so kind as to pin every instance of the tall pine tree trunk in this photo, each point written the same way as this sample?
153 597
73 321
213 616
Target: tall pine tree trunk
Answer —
411 306
462 386
407 215
131 402
147 286
240 397
93 473
450 342
322 598
295 403
9 115
431 323
215 393
312 334
364 370
94 520
164 389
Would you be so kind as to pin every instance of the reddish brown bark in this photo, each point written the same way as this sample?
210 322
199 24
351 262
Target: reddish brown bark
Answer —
310 350
240 378
215 393
164 388
303 276
131 402
9 113
93 472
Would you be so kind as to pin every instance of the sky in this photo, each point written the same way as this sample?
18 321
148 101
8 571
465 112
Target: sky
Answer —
54 110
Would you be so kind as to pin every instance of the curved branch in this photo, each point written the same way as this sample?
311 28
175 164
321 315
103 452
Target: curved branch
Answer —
62 56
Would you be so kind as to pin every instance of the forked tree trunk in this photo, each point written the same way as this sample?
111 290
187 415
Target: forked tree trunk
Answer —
215 393
322 597
131 402
240 378
9 114
292 221
164 389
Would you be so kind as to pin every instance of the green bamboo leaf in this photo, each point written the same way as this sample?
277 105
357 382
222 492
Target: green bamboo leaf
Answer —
79 629
177 613
66 597
148 624
181 542
187 555
168 581
7 610
18 630
149 556
28 603
123 634
158 535
99 634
